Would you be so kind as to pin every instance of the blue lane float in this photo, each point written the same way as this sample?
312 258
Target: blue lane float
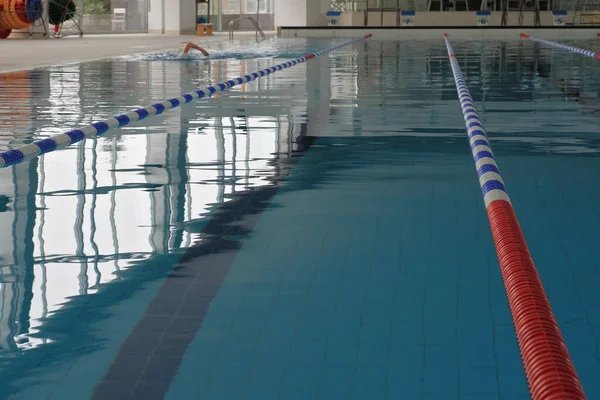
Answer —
572 49
37 148
490 180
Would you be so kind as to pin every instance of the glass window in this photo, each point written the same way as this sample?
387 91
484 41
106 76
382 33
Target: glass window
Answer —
250 6
231 6
114 15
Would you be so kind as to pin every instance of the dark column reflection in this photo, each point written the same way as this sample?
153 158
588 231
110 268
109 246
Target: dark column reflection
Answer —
179 179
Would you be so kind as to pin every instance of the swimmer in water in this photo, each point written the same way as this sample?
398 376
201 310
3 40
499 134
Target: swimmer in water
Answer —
189 45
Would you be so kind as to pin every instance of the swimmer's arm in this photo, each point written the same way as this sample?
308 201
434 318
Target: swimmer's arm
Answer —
190 45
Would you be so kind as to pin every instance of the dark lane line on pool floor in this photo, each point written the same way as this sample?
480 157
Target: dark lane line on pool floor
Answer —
150 357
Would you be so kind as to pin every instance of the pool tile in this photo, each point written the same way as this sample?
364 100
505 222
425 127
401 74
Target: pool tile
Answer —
274 349
303 374
439 379
296 393
110 390
512 382
479 381
406 379
269 374
137 343
185 391
161 369
171 345
184 326
307 350
588 380
239 349
220 390
441 356
127 368
261 392
156 324
150 391
375 354
69 389
370 377
327 392
341 353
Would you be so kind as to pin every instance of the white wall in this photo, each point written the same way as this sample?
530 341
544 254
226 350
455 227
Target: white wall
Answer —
172 19
155 16
187 20
179 18
301 12
290 13
314 12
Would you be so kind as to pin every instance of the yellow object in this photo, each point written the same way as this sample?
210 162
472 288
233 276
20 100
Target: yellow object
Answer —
593 18
4 11
9 19
202 29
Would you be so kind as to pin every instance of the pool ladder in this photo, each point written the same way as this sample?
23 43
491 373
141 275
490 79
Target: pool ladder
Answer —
256 26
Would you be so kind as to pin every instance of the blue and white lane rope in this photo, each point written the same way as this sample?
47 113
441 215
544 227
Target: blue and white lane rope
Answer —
490 180
572 49
37 148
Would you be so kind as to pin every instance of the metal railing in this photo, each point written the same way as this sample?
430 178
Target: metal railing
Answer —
254 22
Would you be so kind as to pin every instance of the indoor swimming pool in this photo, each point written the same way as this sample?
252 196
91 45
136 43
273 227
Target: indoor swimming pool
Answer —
318 233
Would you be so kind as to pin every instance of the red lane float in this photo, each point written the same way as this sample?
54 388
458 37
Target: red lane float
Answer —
548 366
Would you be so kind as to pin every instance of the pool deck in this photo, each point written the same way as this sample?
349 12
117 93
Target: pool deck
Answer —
73 49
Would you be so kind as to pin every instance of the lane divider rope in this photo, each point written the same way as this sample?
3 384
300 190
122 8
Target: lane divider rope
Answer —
563 46
548 367
43 146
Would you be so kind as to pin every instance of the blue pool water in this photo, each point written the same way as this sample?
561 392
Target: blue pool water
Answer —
316 234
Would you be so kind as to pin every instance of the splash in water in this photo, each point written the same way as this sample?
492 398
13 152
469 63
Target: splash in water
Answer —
265 49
